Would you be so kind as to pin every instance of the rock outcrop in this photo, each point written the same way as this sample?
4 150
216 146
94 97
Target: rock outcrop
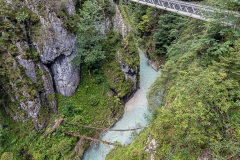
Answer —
115 21
37 62
28 98
65 75
56 42
42 62
154 64
125 82
129 73
118 23
48 96
29 66
151 146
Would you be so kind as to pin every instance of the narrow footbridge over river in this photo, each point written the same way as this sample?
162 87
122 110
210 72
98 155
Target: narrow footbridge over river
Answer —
192 10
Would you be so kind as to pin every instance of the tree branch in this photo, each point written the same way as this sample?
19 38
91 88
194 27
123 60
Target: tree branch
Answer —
119 130
89 138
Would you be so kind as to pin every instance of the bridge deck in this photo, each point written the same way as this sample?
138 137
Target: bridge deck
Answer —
188 9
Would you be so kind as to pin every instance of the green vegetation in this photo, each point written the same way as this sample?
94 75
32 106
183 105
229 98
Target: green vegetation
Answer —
98 99
89 35
17 26
199 110
93 104
198 89
231 4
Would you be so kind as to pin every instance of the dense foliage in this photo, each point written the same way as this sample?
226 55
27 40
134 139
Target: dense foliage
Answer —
89 35
97 106
198 90
199 93
100 94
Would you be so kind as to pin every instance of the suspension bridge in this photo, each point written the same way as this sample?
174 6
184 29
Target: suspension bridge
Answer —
204 13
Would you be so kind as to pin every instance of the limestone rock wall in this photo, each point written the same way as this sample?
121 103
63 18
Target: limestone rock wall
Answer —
129 73
29 80
42 63
57 42
65 75
119 25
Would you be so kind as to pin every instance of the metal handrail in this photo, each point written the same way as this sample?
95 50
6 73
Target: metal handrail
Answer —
187 9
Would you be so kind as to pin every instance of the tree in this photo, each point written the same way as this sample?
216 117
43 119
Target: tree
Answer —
200 105
89 38
167 31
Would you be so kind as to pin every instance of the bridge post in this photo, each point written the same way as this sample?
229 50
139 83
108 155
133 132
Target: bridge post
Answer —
180 7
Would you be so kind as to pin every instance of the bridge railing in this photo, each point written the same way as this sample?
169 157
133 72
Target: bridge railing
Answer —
189 9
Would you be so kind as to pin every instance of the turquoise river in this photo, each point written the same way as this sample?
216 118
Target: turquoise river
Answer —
136 111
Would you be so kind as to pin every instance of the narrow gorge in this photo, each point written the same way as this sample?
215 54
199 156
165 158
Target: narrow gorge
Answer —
71 71
136 115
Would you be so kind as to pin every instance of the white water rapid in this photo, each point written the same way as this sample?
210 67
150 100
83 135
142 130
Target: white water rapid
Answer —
136 111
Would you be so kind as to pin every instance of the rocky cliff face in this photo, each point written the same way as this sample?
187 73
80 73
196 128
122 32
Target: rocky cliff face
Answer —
119 25
129 73
54 44
125 82
116 22
65 75
130 69
37 64
39 61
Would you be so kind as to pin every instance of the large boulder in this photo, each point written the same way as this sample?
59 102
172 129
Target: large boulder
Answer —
65 75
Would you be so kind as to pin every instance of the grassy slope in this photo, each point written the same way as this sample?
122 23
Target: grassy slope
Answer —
92 104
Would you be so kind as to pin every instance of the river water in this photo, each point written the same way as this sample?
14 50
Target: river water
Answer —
136 111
